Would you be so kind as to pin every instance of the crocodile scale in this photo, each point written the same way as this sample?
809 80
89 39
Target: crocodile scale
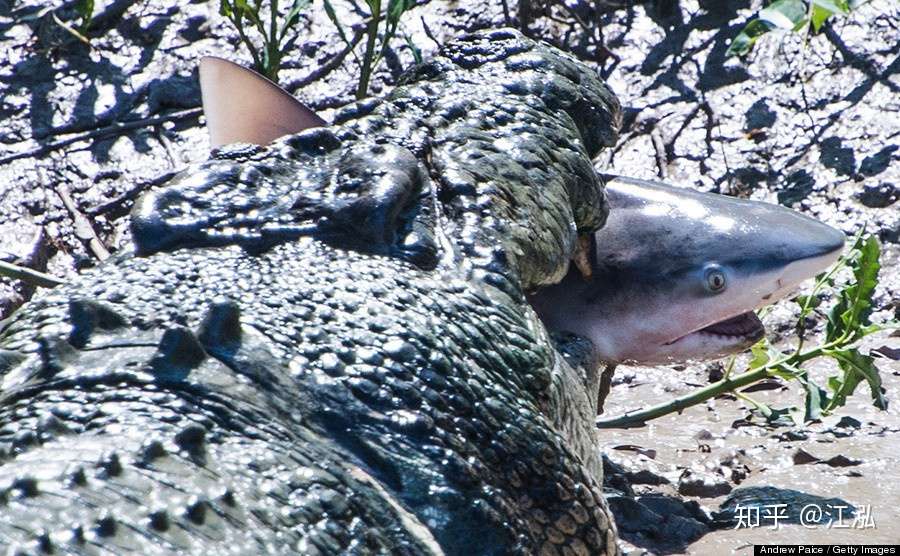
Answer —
322 346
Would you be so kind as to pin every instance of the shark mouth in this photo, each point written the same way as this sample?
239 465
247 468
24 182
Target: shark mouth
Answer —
744 327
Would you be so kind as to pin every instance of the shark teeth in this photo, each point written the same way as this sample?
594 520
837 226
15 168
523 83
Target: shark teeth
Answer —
744 325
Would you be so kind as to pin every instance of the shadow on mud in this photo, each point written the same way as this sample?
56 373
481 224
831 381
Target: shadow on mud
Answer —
668 525
54 62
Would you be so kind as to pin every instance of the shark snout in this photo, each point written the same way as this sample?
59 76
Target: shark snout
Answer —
833 242
807 238
822 241
812 247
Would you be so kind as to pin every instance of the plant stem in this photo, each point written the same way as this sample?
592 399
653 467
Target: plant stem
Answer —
817 287
372 31
272 44
640 417
236 19
75 32
729 368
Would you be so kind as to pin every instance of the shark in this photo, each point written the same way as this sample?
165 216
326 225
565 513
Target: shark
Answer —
674 275
243 106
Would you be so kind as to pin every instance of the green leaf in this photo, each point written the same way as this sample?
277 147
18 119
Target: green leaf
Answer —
763 409
781 14
396 9
416 51
785 14
243 9
780 415
761 351
823 9
848 317
816 401
842 387
827 278
834 384
879 327
745 40
329 11
833 6
85 8
818 17
793 15
225 8
293 16
857 367
784 372
807 301
807 304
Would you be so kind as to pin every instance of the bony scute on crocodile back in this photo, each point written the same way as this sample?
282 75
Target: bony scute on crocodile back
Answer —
323 345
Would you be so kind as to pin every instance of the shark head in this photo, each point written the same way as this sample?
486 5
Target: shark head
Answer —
676 274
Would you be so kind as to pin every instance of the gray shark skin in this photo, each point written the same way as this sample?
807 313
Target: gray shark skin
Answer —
675 274
322 346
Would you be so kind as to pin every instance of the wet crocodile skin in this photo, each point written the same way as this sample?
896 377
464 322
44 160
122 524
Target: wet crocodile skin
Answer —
322 346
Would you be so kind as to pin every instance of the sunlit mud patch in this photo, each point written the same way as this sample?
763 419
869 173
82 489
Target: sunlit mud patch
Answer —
709 452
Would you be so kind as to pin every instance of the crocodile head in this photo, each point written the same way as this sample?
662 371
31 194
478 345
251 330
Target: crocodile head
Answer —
674 275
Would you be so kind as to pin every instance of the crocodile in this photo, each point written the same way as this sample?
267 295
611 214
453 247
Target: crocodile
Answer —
674 274
323 345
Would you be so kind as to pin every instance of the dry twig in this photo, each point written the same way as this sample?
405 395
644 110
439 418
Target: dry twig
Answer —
84 230
112 129
29 275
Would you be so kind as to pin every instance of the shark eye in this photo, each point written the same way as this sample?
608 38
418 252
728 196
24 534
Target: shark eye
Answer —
715 280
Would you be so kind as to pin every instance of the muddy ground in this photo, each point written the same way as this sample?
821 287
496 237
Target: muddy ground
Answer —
814 125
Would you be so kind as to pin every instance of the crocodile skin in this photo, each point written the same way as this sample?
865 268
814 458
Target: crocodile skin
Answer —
322 346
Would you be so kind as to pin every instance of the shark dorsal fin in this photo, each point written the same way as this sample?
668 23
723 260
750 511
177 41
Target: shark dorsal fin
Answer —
242 106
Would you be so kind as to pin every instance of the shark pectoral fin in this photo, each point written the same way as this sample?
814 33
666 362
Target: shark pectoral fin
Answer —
242 106
582 257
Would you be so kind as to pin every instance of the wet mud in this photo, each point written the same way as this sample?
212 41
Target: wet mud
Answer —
814 125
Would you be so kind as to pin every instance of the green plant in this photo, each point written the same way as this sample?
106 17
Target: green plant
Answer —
276 40
374 51
791 15
848 323
85 10
413 48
